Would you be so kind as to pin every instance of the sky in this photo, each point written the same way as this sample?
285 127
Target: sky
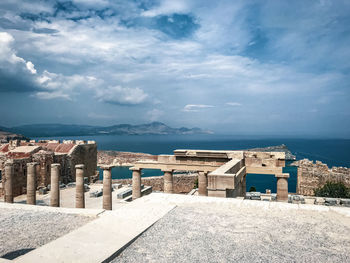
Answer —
234 67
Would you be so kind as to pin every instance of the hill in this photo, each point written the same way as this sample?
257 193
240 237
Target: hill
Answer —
154 128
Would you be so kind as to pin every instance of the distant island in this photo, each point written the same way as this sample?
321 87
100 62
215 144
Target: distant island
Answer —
51 130
6 136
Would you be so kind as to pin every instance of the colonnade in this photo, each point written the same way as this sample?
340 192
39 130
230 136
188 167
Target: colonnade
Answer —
55 185
282 184
168 182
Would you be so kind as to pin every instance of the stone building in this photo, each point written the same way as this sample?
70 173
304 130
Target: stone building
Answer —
45 152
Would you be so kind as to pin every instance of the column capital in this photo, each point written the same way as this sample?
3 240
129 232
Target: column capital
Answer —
282 175
55 165
135 169
79 166
8 163
106 166
167 170
32 164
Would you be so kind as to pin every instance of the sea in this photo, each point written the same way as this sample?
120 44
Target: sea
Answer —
333 152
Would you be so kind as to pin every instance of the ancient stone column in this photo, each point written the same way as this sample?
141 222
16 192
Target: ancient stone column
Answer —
203 183
55 185
136 183
107 187
9 171
79 186
282 187
168 181
31 183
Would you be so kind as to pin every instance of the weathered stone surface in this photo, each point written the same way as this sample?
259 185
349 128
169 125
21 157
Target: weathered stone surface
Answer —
182 183
314 175
46 153
125 193
331 201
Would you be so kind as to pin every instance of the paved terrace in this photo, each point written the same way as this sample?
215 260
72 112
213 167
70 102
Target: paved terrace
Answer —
181 228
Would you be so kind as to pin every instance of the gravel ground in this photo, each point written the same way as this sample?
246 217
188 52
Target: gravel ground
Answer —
22 231
207 233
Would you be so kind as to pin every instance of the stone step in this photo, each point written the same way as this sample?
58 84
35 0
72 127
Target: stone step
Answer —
102 239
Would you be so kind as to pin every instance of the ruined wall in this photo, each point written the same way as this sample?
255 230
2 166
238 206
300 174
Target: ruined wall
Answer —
43 170
83 154
313 175
19 177
63 159
182 183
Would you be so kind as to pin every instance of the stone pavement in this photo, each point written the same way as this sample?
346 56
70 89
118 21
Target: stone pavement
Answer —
202 229
102 238
180 228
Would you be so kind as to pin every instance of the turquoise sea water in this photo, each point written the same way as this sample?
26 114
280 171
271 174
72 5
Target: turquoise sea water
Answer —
334 152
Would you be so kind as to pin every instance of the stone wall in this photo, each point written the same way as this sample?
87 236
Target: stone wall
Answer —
313 175
182 183
83 154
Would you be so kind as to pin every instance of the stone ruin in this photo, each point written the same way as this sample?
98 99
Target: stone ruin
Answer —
313 175
46 152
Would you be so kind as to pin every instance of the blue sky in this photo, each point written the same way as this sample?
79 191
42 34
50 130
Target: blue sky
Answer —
235 67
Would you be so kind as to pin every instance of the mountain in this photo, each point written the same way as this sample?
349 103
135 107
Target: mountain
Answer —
50 130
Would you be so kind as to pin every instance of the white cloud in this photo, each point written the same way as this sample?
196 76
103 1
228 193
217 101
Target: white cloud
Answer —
233 104
30 67
168 7
196 107
121 95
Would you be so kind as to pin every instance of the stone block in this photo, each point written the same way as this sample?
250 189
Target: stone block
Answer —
255 196
331 201
345 202
296 199
70 185
273 197
124 193
319 201
247 195
96 193
310 200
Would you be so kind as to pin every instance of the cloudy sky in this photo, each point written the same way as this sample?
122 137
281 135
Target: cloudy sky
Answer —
235 67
